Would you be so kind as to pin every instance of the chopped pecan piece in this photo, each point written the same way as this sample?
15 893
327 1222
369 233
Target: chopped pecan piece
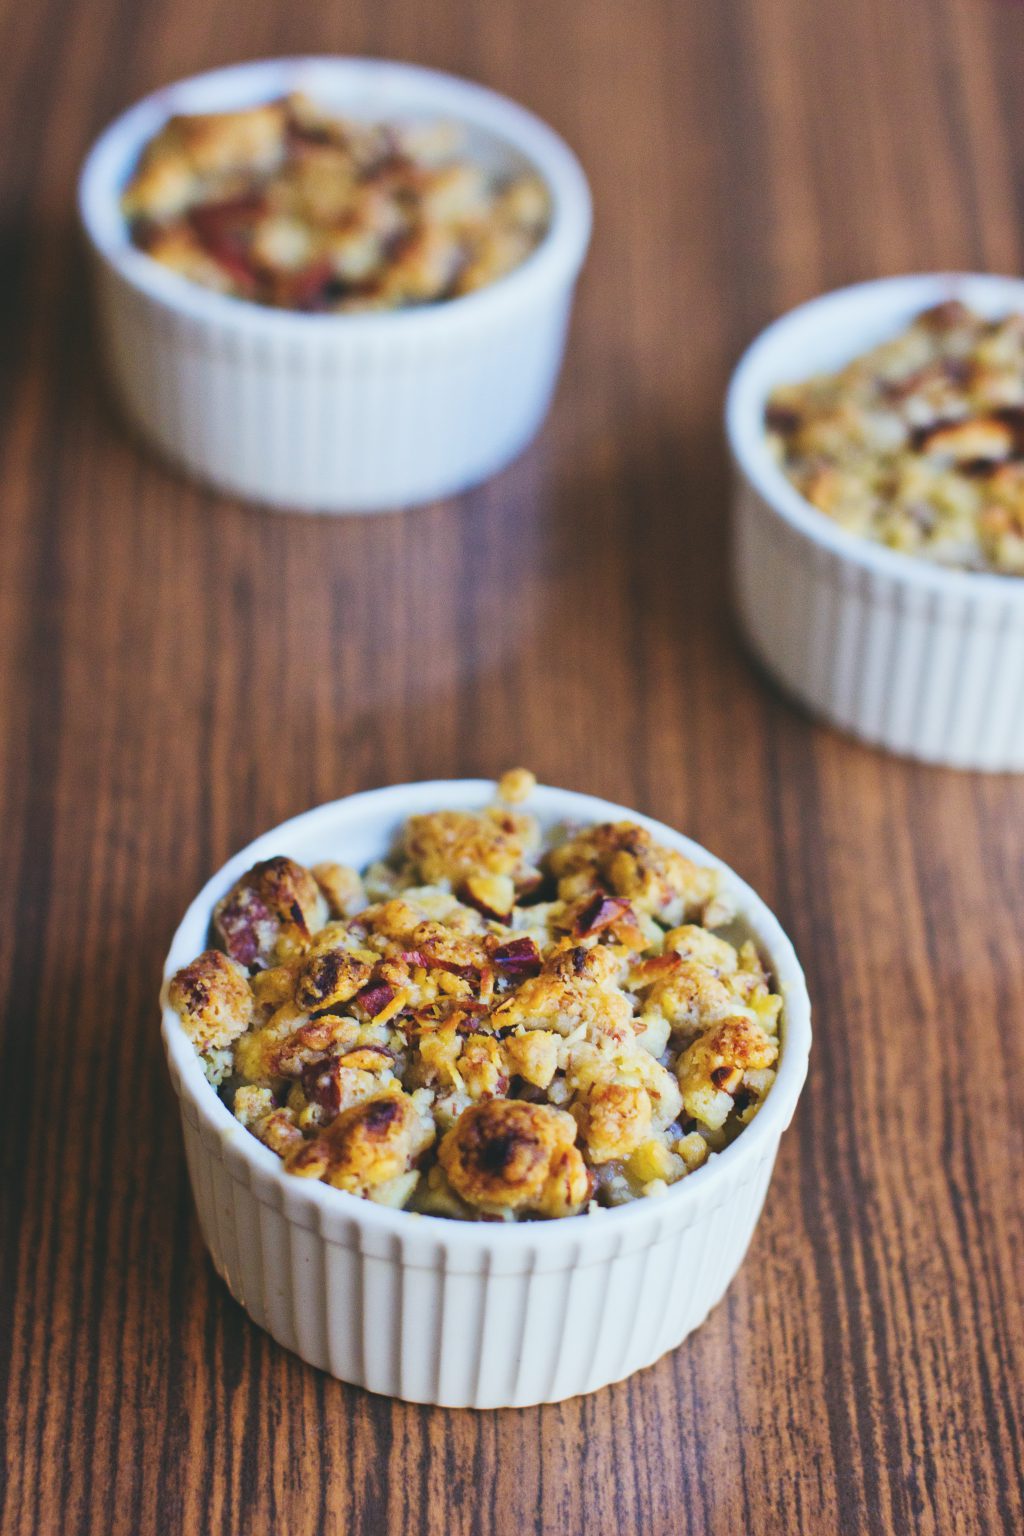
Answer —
517 959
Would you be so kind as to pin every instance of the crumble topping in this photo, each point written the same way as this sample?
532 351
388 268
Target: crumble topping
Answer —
493 1024
288 205
919 443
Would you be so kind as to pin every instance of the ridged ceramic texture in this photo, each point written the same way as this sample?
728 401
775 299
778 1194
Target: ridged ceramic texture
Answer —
469 1314
404 1318
357 423
919 660
931 674
354 413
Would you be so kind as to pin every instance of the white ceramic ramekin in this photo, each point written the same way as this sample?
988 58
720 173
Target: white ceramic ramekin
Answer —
923 661
337 413
463 1314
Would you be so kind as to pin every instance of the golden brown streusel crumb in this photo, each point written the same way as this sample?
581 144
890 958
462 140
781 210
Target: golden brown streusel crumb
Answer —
526 1025
287 205
213 1000
342 888
367 1145
451 846
271 914
624 859
919 443
279 1132
515 1156
712 1069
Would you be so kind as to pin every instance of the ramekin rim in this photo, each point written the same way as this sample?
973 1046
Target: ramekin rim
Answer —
749 448
557 258
767 1126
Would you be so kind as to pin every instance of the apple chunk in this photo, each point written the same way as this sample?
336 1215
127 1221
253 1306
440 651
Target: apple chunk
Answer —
492 895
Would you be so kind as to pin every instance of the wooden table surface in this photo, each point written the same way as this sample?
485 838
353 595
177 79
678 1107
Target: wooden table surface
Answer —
180 671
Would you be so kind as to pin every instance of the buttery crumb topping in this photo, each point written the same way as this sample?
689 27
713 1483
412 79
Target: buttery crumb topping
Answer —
919 443
288 205
494 1023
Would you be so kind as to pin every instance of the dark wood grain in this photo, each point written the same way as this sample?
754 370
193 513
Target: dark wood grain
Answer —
178 672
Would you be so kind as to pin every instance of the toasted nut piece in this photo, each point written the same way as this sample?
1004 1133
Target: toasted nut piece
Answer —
505 1154
380 1000
213 999
517 958
595 913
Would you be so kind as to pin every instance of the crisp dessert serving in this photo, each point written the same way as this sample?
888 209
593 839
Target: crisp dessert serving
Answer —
919 443
288 205
491 1025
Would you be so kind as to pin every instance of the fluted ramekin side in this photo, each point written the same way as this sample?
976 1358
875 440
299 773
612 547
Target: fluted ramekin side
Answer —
479 1337
353 413
922 661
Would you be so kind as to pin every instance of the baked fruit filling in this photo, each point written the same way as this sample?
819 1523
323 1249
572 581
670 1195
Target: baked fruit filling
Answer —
287 205
919 443
493 1024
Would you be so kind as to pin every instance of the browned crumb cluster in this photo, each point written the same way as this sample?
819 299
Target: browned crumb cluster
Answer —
287 205
919 443
490 1025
